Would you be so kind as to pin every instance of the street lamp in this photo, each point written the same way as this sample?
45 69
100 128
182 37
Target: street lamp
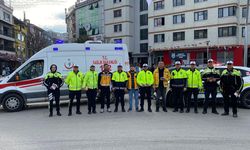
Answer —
207 42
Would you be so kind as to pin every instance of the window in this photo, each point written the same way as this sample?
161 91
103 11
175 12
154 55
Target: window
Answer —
143 5
224 56
117 13
178 19
144 47
118 28
117 1
144 34
32 70
178 36
244 12
243 31
6 16
200 34
227 11
227 31
159 38
144 20
201 15
198 1
158 5
159 21
178 2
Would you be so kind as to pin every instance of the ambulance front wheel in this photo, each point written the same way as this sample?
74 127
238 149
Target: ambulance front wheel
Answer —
13 103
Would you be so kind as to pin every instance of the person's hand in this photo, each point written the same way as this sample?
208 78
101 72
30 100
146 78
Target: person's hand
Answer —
163 79
126 90
86 89
185 89
214 80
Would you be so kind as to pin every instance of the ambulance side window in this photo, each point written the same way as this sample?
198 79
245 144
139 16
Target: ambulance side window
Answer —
32 70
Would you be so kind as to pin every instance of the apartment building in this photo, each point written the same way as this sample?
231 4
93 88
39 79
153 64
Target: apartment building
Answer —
112 21
7 51
188 29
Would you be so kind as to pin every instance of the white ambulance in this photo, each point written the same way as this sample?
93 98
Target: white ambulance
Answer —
24 85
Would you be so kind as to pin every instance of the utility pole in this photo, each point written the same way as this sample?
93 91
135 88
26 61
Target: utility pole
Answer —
246 36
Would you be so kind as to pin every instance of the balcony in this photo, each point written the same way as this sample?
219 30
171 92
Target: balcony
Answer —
7 35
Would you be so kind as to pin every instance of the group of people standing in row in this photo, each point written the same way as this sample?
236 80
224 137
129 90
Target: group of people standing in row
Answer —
179 82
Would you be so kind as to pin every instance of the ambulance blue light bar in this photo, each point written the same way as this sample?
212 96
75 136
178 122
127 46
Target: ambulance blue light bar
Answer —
55 49
118 48
59 41
87 48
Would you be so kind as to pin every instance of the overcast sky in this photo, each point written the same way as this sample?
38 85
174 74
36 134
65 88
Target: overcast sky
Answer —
48 14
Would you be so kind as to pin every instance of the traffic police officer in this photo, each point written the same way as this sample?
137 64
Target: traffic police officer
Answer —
178 85
119 81
194 85
231 85
53 81
75 81
210 76
90 85
145 80
161 79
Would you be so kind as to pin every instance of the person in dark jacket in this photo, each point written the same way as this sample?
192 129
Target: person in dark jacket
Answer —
104 85
210 76
231 84
53 81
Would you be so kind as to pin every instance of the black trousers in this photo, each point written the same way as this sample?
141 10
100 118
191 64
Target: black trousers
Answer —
119 97
194 92
91 94
213 93
178 98
54 95
145 91
230 98
72 96
105 94
161 92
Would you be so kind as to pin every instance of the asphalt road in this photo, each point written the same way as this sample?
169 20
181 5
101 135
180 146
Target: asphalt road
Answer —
32 129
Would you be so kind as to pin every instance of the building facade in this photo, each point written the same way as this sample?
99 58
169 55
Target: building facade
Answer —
113 21
188 29
20 31
89 19
71 24
7 51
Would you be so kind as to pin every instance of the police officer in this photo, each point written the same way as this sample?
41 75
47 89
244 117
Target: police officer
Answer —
90 85
145 80
75 81
231 85
194 85
132 88
119 80
161 79
53 81
104 84
210 76
178 85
